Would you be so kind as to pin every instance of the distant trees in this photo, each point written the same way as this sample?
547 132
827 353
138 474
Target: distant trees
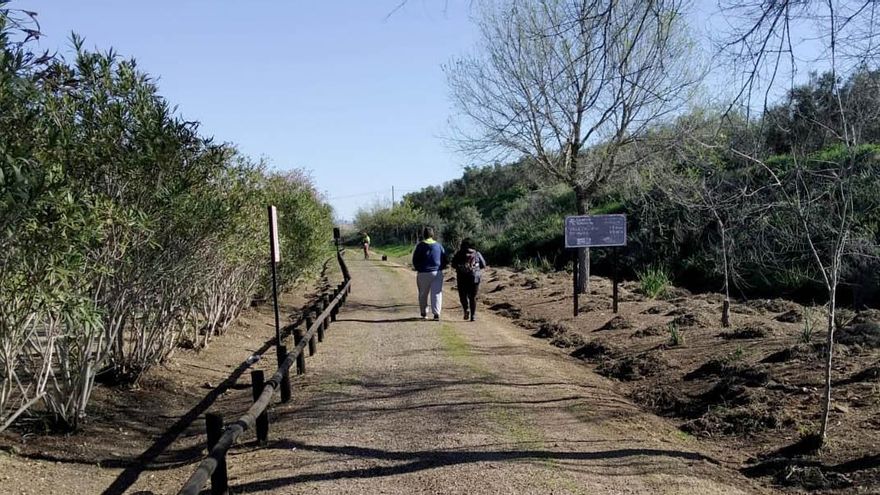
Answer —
124 232
395 224
570 84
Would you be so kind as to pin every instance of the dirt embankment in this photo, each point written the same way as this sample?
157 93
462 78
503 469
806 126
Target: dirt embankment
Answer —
753 387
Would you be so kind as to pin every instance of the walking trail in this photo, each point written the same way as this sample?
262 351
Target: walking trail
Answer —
397 404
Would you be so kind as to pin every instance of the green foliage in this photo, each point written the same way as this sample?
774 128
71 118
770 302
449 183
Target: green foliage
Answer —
125 232
654 281
806 336
401 223
395 250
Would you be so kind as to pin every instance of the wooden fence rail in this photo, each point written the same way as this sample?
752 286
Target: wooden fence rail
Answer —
222 437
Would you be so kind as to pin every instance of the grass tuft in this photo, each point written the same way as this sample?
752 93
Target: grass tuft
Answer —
654 281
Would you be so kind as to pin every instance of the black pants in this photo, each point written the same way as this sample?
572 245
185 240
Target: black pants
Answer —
467 293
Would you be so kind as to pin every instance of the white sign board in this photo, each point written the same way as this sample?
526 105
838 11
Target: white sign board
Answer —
273 234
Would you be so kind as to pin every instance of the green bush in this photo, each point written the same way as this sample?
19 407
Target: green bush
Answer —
125 232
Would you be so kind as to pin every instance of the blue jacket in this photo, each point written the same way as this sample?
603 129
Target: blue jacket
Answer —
429 256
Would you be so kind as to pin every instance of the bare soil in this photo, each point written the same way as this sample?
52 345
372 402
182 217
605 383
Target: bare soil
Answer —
752 389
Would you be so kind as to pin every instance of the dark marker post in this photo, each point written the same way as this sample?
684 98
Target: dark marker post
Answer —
575 281
275 257
614 290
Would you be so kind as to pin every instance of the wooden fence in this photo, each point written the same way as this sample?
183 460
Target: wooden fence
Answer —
221 437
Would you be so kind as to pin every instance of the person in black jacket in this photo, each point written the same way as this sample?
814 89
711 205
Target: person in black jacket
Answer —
469 265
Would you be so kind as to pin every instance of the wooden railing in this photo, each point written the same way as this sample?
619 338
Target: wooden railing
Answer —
222 437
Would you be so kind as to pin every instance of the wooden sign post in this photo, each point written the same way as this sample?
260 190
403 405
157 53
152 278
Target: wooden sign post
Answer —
274 259
586 231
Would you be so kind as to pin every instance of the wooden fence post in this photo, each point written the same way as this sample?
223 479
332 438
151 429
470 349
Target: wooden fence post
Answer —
309 322
301 357
285 378
325 303
219 478
257 383
335 310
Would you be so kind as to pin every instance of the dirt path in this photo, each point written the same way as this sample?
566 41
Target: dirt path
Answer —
394 404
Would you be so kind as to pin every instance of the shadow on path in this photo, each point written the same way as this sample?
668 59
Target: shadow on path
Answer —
422 460
146 461
388 320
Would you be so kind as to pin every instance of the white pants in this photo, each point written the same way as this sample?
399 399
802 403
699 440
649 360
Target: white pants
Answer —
430 283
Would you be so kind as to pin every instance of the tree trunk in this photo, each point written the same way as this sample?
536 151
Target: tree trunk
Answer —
583 207
829 354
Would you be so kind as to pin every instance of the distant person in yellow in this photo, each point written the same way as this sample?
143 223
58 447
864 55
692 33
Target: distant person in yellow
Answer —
366 241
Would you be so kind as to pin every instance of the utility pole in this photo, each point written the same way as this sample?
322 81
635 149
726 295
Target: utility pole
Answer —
392 196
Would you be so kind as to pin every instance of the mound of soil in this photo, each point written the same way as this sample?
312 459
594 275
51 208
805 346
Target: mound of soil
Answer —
742 309
663 400
744 421
675 293
617 323
651 331
692 319
791 316
550 329
631 368
712 298
869 374
626 296
867 316
506 309
657 309
861 334
560 334
595 305
593 350
678 312
734 372
568 340
748 331
773 305
799 352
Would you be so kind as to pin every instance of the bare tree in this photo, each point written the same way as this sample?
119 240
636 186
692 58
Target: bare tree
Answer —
570 84
820 194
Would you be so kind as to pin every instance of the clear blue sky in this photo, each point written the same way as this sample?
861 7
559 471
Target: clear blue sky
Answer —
330 86
337 87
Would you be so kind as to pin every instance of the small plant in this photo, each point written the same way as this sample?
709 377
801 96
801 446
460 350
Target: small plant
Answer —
736 355
676 338
654 281
807 330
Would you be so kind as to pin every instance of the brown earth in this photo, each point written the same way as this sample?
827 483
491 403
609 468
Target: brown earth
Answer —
395 404
752 389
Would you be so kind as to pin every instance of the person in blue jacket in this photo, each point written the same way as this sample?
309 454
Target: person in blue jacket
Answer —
429 260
